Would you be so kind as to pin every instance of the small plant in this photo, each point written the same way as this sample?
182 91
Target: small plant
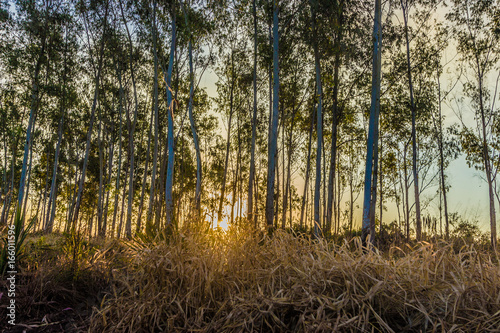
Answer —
13 243
76 248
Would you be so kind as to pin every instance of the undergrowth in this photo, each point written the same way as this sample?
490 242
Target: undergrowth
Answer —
242 281
204 280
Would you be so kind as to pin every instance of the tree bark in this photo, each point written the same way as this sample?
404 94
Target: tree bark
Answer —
319 124
335 113
170 133
250 209
273 138
413 127
368 226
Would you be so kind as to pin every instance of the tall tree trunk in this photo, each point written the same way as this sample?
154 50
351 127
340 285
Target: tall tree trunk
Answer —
91 124
319 123
273 137
102 232
170 134
122 208
128 225
29 170
335 111
197 196
413 126
51 206
52 197
368 226
143 190
161 187
486 159
101 176
289 167
120 137
250 209
28 143
381 204
6 208
407 200
441 161
308 168
228 144
149 226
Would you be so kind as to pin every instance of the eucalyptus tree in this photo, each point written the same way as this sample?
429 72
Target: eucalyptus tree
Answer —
273 137
191 118
337 9
447 146
97 77
251 178
319 121
368 225
66 92
475 25
405 7
170 118
36 16
132 121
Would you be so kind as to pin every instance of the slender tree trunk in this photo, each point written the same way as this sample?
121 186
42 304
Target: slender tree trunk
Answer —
197 196
5 183
91 124
250 209
413 126
381 204
29 170
319 124
288 170
228 144
128 225
368 226
143 190
122 208
308 168
236 171
407 201
335 113
277 192
53 195
486 160
6 209
170 134
149 226
273 138
101 176
161 188
373 202
441 161
28 143
117 187
351 202
108 181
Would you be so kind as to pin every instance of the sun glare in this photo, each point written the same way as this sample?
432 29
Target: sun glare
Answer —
226 214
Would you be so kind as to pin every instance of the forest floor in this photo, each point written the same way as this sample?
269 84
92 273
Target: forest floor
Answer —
241 281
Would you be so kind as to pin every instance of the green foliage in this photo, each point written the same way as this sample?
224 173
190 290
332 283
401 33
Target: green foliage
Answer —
77 249
18 234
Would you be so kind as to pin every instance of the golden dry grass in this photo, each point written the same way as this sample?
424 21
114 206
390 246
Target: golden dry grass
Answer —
241 282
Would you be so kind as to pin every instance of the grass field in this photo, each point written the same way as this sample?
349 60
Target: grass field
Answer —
242 281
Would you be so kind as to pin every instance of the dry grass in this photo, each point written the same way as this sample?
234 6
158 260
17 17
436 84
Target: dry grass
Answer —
241 282
56 286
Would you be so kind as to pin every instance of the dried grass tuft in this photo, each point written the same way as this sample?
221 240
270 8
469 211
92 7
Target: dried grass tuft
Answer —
243 282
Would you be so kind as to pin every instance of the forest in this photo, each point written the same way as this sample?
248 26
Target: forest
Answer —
249 165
